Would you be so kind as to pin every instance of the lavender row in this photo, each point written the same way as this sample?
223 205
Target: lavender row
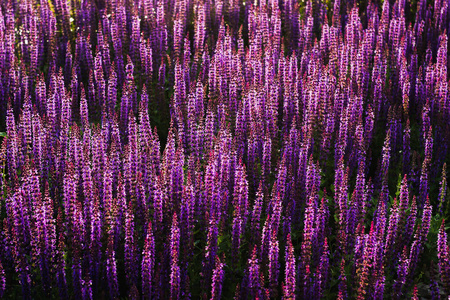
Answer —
219 149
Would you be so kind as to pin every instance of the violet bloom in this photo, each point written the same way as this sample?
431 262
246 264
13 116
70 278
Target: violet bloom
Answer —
111 270
443 253
61 269
174 256
148 263
402 273
217 280
323 270
2 280
290 276
342 282
274 264
254 277
425 173
210 252
130 246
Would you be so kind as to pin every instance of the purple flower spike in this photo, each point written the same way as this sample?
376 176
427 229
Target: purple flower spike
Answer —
217 280
2 281
174 256
443 253
148 263
290 276
274 264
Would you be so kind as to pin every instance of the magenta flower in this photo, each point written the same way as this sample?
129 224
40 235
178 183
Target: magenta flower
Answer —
289 285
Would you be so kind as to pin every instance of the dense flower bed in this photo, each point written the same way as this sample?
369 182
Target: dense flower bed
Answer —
212 149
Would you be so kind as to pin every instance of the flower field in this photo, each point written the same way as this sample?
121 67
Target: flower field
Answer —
224 149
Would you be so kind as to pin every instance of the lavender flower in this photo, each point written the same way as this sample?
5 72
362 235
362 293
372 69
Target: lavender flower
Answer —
148 263
444 256
2 280
217 280
111 270
174 256
274 264
289 285
257 104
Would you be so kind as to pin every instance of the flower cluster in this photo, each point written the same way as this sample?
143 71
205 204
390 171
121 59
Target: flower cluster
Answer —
208 149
